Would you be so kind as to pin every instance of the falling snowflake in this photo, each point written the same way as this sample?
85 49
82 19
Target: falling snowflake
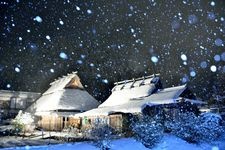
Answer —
63 55
78 8
8 86
218 42
89 11
105 81
217 57
154 59
92 65
193 73
17 69
223 56
38 19
212 3
192 19
183 57
61 22
203 64
52 70
48 37
80 62
211 16
213 68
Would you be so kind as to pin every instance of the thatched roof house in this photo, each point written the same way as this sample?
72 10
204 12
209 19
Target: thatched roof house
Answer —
65 95
139 96
64 98
164 96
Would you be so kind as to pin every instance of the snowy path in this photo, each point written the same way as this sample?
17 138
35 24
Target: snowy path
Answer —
168 142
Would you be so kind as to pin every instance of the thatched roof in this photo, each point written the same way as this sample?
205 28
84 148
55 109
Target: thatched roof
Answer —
165 96
131 89
65 94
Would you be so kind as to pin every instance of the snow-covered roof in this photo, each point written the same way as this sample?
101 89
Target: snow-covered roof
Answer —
136 88
61 83
60 97
165 96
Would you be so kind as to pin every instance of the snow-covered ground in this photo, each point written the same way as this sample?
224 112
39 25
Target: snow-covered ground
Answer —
169 142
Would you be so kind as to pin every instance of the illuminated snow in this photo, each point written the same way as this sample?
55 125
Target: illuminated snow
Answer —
223 56
215 148
203 64
79 61
48 37
183 57
8 86
212 3
192 19
17 69
61 22
92 65
89 11
77 8
218 42
98 75
82 56
59 97
154 59
38 19
185 79
213 68
63 55
217 57
211 16
175 24
52 70
105 81
193 73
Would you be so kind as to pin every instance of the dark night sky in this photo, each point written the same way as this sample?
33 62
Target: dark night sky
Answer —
112 40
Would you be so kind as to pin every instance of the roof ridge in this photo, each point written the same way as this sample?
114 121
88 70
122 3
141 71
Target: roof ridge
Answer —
64 76
137 79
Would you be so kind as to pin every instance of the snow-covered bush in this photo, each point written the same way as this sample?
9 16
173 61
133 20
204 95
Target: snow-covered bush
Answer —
210 126
24 122
102 135
185 126
211 117
194 128
148 130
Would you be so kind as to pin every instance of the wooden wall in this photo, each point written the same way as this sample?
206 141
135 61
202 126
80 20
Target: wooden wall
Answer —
119 121
51 123
58 123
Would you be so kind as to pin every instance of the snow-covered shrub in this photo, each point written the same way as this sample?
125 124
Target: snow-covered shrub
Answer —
194 128
148 130
210 126
102 135
211 117
24 122
185 126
